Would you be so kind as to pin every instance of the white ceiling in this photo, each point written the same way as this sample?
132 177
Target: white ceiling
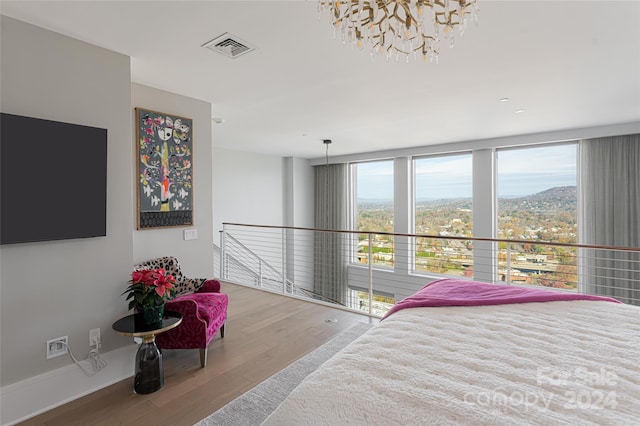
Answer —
570 64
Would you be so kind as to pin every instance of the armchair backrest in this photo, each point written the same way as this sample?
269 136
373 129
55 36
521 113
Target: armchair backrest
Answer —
172 267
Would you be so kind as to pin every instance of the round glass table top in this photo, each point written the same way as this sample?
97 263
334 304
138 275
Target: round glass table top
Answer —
133 325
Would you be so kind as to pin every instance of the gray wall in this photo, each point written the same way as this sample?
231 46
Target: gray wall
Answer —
196 256
65 288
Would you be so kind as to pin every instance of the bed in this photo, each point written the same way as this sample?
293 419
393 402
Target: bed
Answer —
462 352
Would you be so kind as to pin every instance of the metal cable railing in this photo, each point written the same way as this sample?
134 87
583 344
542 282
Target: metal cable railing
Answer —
242 265
370 271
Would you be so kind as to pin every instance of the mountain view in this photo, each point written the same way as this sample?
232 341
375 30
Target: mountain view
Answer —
548 216
562 198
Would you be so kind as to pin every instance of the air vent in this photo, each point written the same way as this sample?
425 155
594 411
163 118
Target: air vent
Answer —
229 45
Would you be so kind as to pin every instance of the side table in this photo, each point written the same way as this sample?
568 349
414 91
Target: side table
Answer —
149 374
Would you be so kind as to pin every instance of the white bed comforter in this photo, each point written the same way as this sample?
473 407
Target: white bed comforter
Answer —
568 362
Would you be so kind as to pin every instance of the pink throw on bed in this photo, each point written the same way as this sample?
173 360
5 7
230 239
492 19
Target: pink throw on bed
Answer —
454 292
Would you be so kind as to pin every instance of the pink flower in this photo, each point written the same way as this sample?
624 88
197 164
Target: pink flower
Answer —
149 287
148 130
163 283
136 276
146 277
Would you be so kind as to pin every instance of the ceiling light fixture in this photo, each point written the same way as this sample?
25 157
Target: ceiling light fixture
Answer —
326 142
400 28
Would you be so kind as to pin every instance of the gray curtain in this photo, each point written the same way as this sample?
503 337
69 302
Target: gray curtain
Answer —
330 249
610 215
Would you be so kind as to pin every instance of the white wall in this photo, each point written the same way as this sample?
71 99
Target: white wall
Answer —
266 190
299 212
300 193
195 256
484 213
248 188
502 142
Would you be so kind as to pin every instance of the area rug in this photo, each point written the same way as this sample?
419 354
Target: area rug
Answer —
254 406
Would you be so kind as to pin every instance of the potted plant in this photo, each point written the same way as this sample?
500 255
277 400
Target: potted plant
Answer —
147 292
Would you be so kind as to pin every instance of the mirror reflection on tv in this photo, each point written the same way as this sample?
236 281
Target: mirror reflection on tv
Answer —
53 180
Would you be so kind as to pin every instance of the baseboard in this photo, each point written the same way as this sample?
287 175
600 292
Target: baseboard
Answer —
35 395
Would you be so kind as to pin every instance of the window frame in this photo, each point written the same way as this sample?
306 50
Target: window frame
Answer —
523 147
413 188
353 214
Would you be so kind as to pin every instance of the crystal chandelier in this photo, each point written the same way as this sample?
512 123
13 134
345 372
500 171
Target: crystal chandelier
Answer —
399 28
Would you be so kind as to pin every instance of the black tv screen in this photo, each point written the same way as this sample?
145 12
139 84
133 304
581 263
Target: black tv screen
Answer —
53 180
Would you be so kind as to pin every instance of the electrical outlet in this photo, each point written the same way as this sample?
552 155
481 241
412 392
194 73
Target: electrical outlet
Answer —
94 337
57 347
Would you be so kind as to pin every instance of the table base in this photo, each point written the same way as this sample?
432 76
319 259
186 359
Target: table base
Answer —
149 374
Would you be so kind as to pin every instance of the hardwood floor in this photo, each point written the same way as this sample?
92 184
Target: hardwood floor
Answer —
265 332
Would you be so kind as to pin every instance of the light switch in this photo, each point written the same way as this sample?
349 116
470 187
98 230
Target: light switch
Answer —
191 234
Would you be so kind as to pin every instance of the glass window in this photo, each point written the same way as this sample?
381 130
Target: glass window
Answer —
537 202
373 208
359 299
443 207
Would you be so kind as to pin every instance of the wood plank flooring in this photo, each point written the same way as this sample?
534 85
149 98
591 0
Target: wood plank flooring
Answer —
265 332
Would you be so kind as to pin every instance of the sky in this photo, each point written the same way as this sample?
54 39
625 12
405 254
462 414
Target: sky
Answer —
528 171
520 172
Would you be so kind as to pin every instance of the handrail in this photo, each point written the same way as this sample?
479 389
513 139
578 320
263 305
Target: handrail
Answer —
448 237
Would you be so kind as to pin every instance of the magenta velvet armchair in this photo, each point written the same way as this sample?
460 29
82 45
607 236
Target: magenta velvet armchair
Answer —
202 306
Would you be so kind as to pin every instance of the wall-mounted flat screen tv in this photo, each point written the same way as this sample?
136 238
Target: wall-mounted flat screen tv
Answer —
53 180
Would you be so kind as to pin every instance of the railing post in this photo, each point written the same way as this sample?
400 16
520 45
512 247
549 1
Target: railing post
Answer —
508 263
370 274
284 261
223 274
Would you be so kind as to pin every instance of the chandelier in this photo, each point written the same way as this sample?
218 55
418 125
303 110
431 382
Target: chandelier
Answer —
399 28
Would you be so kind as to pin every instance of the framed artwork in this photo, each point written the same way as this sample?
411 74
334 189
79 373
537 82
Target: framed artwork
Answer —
165 169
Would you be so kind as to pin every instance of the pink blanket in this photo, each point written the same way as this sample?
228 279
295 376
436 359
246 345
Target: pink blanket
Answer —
454 292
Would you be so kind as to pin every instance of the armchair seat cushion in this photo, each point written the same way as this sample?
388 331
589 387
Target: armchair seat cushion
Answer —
203 314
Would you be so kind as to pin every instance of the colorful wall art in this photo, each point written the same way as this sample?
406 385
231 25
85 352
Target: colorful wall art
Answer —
165 169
